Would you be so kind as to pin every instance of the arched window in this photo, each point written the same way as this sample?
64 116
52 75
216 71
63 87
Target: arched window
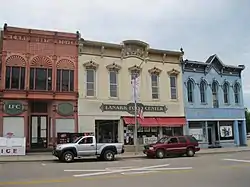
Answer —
203 91
215 94
190 91
226 93
237 93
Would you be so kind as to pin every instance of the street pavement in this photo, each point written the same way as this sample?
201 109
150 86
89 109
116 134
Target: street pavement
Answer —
211 170
38 157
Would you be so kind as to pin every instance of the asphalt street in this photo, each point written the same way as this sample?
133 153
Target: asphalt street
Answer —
220 170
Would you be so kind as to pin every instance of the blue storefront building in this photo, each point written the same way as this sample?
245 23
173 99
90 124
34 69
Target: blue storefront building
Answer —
214 103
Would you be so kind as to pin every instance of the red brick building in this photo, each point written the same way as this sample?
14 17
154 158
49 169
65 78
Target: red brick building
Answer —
39 84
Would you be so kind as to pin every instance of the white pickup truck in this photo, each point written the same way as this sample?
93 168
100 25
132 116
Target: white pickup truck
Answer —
86 146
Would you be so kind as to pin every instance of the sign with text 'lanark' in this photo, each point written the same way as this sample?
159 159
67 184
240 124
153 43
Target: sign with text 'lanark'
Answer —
130 108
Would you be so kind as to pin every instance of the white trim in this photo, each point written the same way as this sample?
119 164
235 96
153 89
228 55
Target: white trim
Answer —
233 119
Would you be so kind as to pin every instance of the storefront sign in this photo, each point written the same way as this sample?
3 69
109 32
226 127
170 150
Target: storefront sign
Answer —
226 131
12 146
65 109
13 108
130 108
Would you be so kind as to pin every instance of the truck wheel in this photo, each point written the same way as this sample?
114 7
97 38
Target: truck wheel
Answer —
160 154
68 156
190 152
109 155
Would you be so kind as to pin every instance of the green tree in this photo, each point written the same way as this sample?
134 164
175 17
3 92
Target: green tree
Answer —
247 114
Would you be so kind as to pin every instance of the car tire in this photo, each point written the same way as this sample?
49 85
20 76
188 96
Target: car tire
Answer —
160 154
109 155
68 156
190 152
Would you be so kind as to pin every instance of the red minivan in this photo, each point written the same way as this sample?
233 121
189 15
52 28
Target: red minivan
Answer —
172 145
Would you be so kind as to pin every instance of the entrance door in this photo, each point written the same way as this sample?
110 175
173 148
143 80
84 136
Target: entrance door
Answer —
39 131
209 136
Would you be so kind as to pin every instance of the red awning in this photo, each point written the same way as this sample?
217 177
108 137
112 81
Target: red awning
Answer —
146 122
171 121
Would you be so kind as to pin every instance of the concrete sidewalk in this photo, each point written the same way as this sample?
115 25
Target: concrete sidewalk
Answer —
46 157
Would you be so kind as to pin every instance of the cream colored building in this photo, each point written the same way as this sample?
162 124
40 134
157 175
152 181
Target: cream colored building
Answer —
105 90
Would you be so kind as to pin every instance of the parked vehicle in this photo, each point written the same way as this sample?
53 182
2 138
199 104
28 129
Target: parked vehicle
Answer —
174 145
86 146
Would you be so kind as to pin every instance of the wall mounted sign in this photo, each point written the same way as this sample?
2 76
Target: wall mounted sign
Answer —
130 108
65 109
13 107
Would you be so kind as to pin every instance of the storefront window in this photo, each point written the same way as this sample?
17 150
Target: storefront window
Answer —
106 131
226 132
172 131
144 135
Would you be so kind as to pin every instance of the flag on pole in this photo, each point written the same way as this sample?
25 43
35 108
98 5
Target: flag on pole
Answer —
135 86
141 113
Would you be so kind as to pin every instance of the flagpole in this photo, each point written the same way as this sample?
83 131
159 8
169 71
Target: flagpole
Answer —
135 105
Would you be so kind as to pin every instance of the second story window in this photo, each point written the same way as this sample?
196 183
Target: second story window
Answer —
155 86
237 93
215 94
41 79
190 91
173 86
226 93
203 92
90 82
65 80
113 84
15 78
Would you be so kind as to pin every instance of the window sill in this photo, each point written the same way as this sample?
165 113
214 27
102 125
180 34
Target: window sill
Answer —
90 97
227 104
114 98
204 104
156 100
174 100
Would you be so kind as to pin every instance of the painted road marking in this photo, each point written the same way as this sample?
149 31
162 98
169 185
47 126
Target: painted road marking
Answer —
84 170
236 160
137 172
119 171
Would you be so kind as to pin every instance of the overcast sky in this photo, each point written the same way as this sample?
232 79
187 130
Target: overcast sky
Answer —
201 27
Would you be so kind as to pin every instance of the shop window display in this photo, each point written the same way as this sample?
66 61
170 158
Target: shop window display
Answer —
172 131
106 131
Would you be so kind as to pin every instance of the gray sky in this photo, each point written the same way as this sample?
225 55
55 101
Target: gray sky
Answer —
201 27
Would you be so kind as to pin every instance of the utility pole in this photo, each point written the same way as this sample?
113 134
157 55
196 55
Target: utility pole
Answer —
135 105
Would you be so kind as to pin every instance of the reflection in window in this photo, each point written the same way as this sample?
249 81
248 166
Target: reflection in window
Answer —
40 79
15 78
237 93
190 91
65 80
155 86
173 86
90 82
113 84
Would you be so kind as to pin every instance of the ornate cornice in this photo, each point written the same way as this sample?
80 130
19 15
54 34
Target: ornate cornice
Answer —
113 67
135 68
155 70
173 72
91 65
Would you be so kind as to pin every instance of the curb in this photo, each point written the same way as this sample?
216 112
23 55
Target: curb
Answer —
120 157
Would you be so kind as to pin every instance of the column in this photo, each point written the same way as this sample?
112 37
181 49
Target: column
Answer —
186 129
206 131
120 131
218 131
244 132
160 132
236 133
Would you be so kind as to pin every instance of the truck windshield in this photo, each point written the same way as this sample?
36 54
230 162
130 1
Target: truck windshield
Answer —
77 139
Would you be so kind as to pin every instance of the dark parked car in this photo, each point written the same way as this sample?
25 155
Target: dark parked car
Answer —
174 145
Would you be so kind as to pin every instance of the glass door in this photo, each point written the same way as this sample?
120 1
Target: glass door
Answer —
39 126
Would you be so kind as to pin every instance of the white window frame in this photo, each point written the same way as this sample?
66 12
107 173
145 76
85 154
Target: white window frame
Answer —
175 87
86 83
157 86
237 92
203 92
226 93
192 91
114 84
